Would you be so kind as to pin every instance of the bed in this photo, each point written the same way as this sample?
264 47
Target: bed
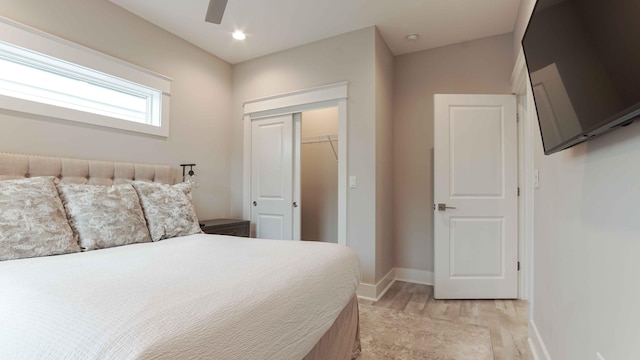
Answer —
194 296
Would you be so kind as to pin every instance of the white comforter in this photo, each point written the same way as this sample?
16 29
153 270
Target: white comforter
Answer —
194 297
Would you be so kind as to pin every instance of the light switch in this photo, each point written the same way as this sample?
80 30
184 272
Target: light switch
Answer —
353 182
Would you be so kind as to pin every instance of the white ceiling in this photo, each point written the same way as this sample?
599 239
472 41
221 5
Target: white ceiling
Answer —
275 25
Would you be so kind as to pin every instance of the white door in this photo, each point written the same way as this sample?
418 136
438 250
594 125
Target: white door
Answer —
272 177
475 195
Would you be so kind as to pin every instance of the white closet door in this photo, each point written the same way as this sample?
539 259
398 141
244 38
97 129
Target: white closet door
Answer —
272 177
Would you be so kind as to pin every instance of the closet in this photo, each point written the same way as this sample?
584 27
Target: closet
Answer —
294 180
273 165
319 175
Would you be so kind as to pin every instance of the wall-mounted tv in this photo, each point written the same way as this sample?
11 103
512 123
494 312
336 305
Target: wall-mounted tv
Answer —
583 58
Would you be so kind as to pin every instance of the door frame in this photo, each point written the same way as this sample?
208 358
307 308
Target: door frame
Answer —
521 87
331 95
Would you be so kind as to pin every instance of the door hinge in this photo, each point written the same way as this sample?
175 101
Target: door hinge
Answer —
518 190
517 117
518 265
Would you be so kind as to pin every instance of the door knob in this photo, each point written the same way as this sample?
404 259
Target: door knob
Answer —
255 203
295 204
444 207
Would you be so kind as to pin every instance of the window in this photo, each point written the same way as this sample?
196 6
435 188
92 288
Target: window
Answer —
84 86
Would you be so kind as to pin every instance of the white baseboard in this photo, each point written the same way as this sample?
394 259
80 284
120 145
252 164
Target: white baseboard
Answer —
374 292
367 292
537 346
415 276
532 349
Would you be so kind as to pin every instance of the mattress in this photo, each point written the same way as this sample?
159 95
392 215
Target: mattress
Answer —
194 297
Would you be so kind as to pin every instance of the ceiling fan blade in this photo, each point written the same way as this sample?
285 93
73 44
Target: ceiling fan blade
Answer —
215 11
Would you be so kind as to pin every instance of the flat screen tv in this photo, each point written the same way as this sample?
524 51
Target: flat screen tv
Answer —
583 58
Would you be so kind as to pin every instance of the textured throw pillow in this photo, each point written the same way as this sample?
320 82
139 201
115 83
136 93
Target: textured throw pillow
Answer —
32 220
104 216
168 209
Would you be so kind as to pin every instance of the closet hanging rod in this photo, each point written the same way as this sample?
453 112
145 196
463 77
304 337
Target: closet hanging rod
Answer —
319 139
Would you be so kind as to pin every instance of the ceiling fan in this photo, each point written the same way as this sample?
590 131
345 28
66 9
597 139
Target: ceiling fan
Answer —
215 11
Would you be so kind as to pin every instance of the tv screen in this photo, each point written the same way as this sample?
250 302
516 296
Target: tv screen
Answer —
583 58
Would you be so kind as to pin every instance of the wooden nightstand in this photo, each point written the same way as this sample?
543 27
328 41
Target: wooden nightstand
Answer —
232 227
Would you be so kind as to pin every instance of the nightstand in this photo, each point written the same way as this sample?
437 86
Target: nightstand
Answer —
232 227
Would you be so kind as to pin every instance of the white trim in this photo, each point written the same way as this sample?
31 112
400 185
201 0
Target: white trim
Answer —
528 123
375 292
385 283
342 172
536 344
246 170
297 142
520 86
367 292
295 98
57 112
518 77
292 109
331 95
30 38
532 349
522 200
26 37
415 276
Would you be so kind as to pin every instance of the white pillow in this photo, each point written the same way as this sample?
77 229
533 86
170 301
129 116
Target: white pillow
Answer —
32 220
168 209
104 216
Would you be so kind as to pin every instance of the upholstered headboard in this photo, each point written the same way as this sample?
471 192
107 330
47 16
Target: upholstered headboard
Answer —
16 166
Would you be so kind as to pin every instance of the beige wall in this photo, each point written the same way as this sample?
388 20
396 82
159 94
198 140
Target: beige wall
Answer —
481 66
384 157
524 13
585 246
200 120
348 57
319 176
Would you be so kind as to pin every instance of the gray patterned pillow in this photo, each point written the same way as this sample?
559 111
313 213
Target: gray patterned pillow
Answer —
32 220
168 209
104 216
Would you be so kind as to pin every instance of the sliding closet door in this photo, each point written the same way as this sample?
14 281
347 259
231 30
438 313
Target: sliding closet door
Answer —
272 177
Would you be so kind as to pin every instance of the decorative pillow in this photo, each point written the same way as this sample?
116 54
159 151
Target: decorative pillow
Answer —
168 209
32 220
104 216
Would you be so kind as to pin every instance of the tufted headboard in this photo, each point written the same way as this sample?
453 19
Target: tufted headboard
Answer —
16 166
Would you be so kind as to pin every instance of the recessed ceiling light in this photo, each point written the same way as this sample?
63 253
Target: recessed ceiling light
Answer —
412 37
239 35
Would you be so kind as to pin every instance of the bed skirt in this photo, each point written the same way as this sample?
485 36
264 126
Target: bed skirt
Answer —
342 340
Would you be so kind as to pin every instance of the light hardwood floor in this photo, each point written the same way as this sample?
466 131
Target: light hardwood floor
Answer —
408 323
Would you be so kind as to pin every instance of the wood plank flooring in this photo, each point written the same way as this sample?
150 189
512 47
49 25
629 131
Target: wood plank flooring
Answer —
505 320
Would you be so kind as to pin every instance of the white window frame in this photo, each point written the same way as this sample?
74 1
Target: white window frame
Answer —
86 59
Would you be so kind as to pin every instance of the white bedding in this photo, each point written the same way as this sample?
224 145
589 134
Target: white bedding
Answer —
195 297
